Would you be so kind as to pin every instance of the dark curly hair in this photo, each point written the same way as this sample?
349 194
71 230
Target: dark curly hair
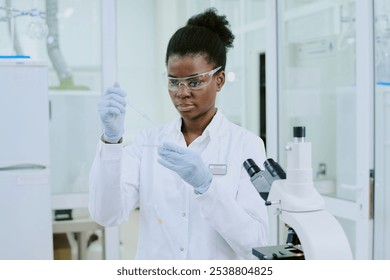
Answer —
207 34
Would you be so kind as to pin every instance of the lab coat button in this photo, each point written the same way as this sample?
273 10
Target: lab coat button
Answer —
183 214
182 249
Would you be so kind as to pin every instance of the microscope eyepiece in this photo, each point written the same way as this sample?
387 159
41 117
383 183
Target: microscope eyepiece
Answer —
274 169
251 167
263 179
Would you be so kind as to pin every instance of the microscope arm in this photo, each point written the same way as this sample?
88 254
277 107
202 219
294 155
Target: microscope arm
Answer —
321 236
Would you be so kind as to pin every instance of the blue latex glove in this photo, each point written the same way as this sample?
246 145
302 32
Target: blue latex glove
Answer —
187 164
112 108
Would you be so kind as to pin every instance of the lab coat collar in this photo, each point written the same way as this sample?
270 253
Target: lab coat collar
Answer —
216 128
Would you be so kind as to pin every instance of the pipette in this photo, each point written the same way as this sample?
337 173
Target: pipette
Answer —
116 84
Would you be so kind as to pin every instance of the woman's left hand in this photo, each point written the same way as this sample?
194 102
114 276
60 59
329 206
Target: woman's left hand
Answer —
187 164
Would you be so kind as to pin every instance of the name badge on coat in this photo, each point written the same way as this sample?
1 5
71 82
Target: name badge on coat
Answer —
218 169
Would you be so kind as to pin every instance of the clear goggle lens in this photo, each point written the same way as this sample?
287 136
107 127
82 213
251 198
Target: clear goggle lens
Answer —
195 82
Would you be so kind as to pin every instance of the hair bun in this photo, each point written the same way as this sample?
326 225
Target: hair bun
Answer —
218 24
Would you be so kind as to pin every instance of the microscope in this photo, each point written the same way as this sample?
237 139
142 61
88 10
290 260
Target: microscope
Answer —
312 232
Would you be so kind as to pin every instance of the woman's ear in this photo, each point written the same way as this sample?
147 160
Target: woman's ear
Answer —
220 79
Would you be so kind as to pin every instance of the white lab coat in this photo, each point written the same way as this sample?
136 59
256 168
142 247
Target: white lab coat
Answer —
225 222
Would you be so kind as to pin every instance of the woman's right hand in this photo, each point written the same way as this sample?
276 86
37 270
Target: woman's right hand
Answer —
112 109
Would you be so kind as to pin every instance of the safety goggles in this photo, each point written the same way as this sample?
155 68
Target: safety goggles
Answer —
193 83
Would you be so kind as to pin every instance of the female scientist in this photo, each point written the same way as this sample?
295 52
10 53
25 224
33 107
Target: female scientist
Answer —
196 200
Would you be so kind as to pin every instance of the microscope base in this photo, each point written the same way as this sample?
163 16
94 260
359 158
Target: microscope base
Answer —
281 252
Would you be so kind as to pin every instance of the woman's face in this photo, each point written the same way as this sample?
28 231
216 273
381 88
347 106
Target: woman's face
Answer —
193 103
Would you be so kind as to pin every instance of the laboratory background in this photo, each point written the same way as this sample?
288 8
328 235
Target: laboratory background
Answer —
320 64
